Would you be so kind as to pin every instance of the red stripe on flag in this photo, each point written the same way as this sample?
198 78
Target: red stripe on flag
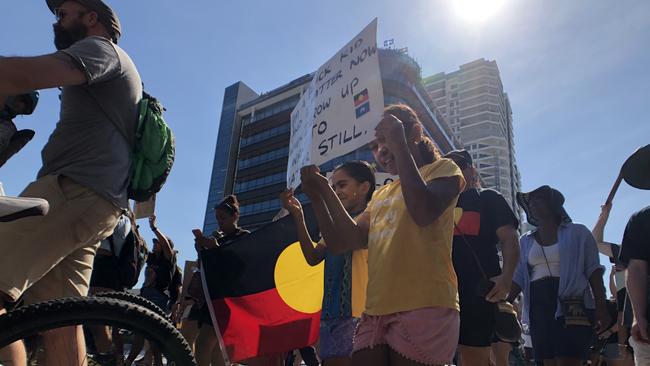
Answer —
263 324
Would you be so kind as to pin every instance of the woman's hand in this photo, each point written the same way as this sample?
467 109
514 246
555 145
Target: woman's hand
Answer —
152 222
603 320
203 242
291 203
312 181
390 131
605 210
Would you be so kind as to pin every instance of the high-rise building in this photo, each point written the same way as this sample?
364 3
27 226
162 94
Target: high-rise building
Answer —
478 111
253 143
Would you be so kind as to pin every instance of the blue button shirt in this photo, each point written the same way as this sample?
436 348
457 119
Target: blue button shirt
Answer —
578 261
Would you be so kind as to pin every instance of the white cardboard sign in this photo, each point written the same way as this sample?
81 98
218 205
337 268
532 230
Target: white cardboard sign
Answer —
339 110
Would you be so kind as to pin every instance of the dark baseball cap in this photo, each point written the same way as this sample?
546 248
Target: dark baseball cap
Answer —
105 14
462 158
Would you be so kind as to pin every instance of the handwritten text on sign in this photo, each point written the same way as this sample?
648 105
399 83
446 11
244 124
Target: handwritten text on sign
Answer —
339 110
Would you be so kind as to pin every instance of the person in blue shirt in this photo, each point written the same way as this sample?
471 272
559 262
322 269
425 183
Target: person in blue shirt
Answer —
562 281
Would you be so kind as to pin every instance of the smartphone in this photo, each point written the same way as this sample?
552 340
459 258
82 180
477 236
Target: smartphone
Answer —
197 233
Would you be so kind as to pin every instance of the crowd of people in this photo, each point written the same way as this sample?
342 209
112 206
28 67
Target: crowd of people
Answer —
427 270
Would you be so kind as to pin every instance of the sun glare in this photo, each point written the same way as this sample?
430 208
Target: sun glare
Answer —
477 10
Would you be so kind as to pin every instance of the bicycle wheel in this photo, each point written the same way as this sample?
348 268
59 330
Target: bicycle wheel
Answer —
134 299
29 321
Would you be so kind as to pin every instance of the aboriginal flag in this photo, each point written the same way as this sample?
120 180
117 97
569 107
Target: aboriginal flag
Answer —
265 297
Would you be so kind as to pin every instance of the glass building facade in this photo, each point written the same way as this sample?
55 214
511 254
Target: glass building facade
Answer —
253 143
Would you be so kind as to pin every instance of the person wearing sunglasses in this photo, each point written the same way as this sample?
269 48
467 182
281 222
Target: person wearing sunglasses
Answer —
86 164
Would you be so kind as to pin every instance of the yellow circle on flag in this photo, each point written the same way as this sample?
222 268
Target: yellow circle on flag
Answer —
299 284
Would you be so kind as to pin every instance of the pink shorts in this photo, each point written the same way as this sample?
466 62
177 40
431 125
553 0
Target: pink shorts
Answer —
428 336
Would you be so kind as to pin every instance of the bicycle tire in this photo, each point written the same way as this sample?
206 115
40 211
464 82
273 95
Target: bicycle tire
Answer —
134 299
33 319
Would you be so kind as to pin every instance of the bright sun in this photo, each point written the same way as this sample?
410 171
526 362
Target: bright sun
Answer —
477 10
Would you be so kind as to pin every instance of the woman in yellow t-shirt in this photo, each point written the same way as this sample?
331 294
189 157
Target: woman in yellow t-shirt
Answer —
411 315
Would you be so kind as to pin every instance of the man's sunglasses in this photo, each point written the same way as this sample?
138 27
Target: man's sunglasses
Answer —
60 14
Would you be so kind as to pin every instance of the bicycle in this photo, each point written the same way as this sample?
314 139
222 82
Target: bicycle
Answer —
139 317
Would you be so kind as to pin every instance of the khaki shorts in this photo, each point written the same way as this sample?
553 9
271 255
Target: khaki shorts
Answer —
49 257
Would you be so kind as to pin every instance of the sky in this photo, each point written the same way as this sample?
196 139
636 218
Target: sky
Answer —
575 72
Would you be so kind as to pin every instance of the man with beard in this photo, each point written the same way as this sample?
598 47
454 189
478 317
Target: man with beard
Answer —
85 169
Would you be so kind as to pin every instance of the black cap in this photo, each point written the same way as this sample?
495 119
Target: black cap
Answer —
462 158
105 14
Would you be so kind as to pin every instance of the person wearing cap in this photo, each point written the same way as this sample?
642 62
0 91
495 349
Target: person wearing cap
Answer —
561 278
86 163
483 219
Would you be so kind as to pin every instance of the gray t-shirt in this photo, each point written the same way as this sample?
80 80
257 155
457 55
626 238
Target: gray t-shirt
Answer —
86 146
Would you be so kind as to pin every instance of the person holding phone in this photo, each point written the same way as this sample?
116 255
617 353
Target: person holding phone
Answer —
227 214
483 219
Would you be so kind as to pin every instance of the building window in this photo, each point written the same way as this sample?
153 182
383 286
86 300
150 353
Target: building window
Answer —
271 110
266 134
260 182
263 158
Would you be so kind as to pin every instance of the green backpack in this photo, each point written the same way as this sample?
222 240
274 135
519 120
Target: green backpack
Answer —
153 151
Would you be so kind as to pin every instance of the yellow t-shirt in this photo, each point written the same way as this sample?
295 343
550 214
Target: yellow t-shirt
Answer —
359 281
410 267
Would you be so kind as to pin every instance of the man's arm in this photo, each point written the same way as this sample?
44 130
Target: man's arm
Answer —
509 240
612 282
19 75
637 287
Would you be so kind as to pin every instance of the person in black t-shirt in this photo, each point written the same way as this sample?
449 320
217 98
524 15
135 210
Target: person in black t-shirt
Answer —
483 219
636 253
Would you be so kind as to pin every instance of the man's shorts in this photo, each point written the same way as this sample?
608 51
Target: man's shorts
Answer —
336 337
477 322
51 256
428 336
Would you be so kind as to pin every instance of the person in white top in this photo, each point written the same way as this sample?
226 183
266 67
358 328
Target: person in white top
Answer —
561 278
